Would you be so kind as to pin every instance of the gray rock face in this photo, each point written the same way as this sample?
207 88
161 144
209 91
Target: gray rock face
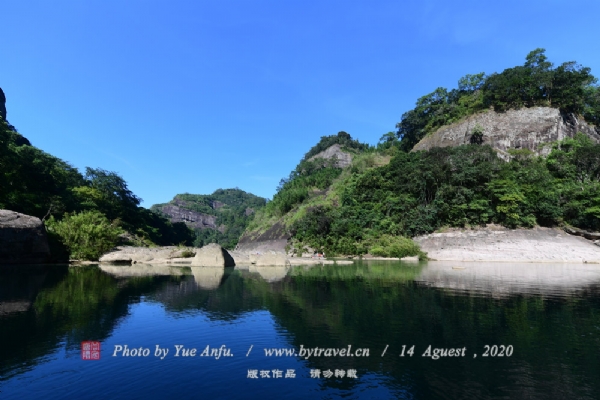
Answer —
192 218
343 159
216 204
496 243
212 255
527 128
274 239
23 239
2 105
269 259
129 255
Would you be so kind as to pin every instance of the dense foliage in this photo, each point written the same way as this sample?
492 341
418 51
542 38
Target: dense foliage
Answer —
31 180
36 183
570 87
342 138
312 175
234 209
417 193
86 235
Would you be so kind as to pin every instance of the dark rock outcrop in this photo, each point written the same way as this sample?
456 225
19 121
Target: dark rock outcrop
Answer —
527 128
273 239
2 105
177 213
23 239
581 232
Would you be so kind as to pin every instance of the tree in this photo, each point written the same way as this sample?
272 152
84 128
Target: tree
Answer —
540 70
387 140
477 135
86 235
471 83
117 201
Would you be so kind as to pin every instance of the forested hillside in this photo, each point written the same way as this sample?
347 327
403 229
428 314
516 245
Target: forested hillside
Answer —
86 213
569 87
231 211
390 194
385 195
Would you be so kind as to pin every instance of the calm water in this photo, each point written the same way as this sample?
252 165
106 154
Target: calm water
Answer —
546 316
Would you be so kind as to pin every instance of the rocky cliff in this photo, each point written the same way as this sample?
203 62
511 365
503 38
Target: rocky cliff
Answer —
220 217
177 211
23 239
273 239
527 128
2 105
343 159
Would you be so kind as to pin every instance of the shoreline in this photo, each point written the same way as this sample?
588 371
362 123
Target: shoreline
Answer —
498 244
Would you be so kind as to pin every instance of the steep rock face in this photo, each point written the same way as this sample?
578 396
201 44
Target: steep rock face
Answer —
2 105
526 128
23 239
343 159
177 213
273 239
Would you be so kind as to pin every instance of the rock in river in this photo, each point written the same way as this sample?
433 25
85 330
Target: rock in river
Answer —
23 239
212 255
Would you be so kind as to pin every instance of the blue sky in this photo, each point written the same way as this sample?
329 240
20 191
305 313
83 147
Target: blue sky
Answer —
192 96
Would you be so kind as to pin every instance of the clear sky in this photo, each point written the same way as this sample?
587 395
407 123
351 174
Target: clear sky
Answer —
192 96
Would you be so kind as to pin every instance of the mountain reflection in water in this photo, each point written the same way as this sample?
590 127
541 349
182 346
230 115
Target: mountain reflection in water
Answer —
547 312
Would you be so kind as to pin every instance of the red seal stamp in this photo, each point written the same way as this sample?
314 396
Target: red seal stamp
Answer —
90 350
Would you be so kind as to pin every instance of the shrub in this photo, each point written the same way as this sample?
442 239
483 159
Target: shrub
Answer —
395 246
86 235
187 254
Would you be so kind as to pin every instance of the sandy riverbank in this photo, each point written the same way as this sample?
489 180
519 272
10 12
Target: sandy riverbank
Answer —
496 243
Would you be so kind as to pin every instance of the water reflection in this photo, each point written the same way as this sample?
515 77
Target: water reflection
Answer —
270 273
508 279
548 313
208 277
139 270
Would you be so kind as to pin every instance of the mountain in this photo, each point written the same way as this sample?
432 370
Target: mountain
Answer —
2 105
533 128
518 148
220 217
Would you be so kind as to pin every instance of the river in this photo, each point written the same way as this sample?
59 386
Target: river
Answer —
377 329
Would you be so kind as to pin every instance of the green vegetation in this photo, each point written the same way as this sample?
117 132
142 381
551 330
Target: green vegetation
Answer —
389 194
342 138
87 235
312 175
36 183
417 193
569 87
373 207
308 202
234 209
386 196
